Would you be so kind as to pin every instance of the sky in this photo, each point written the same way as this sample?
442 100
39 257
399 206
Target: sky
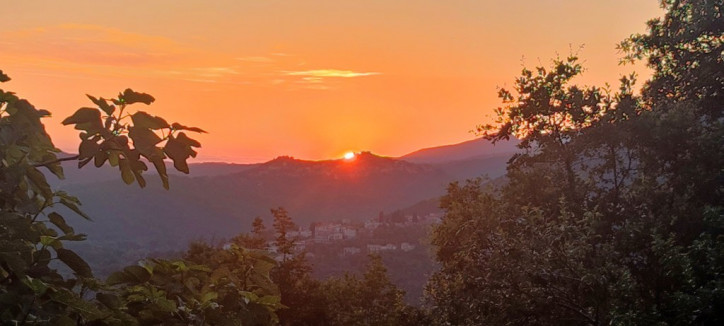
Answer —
312 79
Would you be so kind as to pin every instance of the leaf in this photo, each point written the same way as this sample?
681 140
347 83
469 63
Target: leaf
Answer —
144 120
144 140
42 256
87 149
164 305
178 126
86 309
187 141
113 158
179 150
130 97
14 260
100 158
126 172
161 169
102 104
59 221
85 119
108 300
77 264
38 286
270 300
137 173
3 77
55 168
50 241
71 202
38 179
209 296
73 237
118 278
139 273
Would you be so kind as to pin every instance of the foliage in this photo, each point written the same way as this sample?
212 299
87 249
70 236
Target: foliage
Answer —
255 240
292 274
225 287
613 215
229 286
106 134
371 300
33 233
684 48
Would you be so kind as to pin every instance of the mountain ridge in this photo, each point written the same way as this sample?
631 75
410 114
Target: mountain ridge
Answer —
478 147
220 199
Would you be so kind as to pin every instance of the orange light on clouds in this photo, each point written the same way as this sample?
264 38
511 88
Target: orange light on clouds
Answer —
309 79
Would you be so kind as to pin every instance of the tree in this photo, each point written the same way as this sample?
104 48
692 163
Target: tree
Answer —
32 231
33 290
613 215
217 286
684 50
548 115
255 240
298 290
370 300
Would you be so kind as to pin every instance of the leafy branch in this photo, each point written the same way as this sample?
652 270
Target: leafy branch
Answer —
109 136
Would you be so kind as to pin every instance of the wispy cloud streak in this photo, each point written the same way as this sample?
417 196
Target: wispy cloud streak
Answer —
322 73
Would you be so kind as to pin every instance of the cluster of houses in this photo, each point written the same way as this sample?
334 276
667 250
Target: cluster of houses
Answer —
332 232
329 232
375 248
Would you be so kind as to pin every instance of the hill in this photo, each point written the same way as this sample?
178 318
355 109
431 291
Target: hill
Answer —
468 150
220 200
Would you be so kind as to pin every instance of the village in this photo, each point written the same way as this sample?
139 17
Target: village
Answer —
382 233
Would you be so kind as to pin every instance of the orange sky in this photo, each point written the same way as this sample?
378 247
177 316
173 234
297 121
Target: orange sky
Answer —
308 78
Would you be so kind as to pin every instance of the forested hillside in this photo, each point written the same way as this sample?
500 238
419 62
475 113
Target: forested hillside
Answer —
613 214
222 200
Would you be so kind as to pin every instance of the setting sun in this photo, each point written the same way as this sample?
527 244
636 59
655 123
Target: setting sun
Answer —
348 155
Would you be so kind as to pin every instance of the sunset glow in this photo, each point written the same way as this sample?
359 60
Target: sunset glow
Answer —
349 155
305 78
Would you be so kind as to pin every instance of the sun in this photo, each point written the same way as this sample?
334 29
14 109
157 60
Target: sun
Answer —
348 155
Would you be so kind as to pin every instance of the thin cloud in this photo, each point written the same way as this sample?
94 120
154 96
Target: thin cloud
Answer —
334 73
312 79
90 44
256 59
215 71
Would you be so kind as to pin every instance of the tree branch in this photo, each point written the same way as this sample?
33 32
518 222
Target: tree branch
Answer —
58 160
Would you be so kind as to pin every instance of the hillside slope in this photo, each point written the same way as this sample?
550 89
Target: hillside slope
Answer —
476 148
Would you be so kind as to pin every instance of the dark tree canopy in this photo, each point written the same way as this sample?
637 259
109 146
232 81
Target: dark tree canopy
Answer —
614 213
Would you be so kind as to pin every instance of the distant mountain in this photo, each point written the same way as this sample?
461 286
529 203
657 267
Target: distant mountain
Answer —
469 150
223 205
212 169
90 174
220 200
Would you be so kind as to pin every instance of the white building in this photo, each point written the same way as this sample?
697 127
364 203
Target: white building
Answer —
349 233
351 251
389 246
371 225
374 248
406 246
335 236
